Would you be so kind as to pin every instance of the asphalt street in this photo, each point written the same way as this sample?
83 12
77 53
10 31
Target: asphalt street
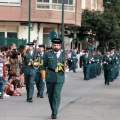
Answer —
81 100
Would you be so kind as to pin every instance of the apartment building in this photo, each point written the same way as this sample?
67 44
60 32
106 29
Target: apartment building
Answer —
92 5
45 17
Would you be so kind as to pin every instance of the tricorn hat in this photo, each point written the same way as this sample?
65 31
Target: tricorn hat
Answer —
30 43
48 48
41 45
56 41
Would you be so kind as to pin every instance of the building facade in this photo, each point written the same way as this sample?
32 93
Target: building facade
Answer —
45 17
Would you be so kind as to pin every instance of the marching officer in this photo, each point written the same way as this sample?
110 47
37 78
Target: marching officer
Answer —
39 81
113 69
86 65
99 60
107 65
74 60
29 71
55 77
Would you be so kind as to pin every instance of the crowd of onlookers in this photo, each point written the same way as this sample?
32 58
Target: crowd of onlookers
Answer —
11 77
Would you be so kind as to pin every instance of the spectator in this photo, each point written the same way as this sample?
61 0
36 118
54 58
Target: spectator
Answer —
11 87
2 77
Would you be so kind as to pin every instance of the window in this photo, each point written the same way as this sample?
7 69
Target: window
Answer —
2 34
11 34
10 2
56 4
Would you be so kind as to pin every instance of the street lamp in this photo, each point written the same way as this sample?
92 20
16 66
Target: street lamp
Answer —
29 19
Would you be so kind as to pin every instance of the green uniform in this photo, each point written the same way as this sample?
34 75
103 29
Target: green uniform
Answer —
86 67
54 79
113 69
99 58
74 61
93 70
107 65
29 73
39 81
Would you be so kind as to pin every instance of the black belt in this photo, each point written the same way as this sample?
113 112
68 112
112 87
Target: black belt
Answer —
53 70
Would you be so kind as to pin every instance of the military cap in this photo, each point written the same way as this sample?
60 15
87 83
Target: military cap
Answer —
21 47
85 51
48 48
112 48
108 50
56 41
41 45
30 43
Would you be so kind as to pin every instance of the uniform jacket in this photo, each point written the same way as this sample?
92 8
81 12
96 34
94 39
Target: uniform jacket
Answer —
28 70
86 61
40 59
107 62
50 63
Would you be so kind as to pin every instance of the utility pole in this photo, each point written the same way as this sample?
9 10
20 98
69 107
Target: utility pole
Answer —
62 33
29 19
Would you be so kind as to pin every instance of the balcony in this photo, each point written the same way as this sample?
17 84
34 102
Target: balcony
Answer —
48 6
10 2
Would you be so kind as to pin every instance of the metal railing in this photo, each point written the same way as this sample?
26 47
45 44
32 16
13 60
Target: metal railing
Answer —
9 41
47 6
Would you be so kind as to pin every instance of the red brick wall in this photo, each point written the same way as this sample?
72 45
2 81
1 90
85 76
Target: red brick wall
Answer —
21 14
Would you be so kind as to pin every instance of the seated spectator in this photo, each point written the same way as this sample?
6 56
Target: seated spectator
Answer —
11 87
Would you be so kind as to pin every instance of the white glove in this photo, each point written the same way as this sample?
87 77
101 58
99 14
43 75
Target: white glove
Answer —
44 81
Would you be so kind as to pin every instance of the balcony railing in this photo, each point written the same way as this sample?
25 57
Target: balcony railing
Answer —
48 6
10 2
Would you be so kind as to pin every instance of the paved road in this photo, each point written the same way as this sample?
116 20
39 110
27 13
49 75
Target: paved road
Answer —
81 100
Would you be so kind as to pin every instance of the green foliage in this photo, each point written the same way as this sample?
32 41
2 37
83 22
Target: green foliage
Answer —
104 24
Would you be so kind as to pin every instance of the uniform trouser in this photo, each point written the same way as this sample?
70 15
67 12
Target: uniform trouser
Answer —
29 81
86 71
107 73
74 65
94 69
54 96
39 84
113 73
98 69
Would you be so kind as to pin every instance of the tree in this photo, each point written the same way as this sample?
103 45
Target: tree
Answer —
104 25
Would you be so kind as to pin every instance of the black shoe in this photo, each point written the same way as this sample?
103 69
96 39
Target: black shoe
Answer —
54 116
27 100
112 80
41 96
38 95
1 96
30 100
